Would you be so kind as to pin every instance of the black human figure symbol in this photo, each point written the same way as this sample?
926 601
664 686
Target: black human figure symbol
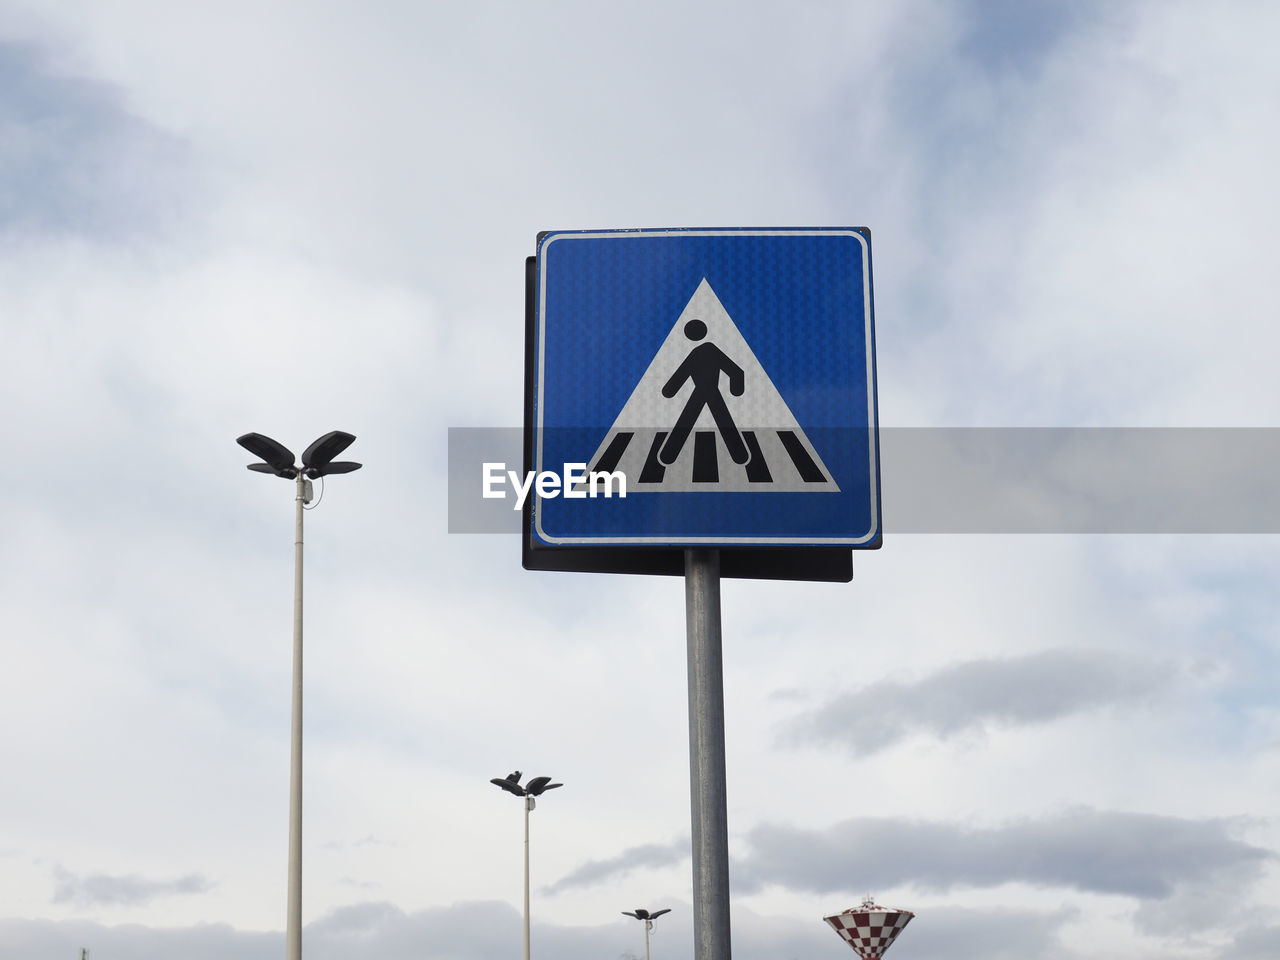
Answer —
703 366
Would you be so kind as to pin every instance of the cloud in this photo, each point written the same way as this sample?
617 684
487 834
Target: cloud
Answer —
74 160
477 930
102 889
990 934
956 933
1135 854
1254 943
634 858
481 930
980 693
48 938
1193 907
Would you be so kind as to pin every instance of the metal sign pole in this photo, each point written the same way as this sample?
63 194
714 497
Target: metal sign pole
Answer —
709 809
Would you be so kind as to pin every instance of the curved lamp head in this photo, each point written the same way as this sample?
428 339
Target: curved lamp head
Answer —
508 786
339 466
640 913
278 457
317 459
538 785
325 448
510 783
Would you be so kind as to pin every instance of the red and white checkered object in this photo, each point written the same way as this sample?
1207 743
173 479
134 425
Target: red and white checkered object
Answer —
870 930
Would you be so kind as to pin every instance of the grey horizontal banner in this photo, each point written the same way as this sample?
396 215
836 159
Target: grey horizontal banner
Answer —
990 480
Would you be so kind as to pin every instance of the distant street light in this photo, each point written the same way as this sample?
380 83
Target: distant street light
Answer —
642 914
317 461
534 788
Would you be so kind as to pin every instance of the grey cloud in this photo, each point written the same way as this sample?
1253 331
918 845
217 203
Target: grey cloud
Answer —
952 932
987 934
463 931
1140 855
48 938
1019 37
1193 907
635 858
106 890
1254 943
483 930
74 160
467 931
1027 690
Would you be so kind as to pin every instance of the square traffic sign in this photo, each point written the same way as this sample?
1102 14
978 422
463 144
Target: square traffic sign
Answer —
704 387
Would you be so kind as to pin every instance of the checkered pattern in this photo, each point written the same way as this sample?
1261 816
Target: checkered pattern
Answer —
870 930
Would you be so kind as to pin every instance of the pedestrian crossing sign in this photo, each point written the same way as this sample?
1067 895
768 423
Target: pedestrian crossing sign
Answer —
723 380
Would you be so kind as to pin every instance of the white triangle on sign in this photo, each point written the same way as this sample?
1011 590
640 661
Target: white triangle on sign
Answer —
781 459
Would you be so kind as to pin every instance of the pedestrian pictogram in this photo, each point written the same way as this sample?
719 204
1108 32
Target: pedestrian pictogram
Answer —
703 367
706 385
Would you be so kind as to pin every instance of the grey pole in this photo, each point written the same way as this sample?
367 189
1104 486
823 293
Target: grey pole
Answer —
528 805
293 932
709 811
317 461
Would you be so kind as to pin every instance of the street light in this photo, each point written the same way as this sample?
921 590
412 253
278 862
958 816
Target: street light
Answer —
641 913
317 461
534 788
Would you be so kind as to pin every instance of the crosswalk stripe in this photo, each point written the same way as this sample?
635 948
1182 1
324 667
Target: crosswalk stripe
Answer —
608 461
703 465
654 471
809 471
757 469
706 469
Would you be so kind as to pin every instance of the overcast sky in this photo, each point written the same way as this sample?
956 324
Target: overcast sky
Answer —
297 217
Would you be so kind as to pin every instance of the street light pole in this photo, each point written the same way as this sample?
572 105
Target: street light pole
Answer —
528 806
293 926
534 788
317 461
642 914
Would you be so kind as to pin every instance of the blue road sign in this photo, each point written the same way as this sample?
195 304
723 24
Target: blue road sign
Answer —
725 378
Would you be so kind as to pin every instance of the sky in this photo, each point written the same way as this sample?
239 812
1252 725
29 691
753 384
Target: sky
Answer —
292 218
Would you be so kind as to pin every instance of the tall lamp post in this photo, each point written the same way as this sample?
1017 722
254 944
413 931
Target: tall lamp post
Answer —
640 913
317 461
534 788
